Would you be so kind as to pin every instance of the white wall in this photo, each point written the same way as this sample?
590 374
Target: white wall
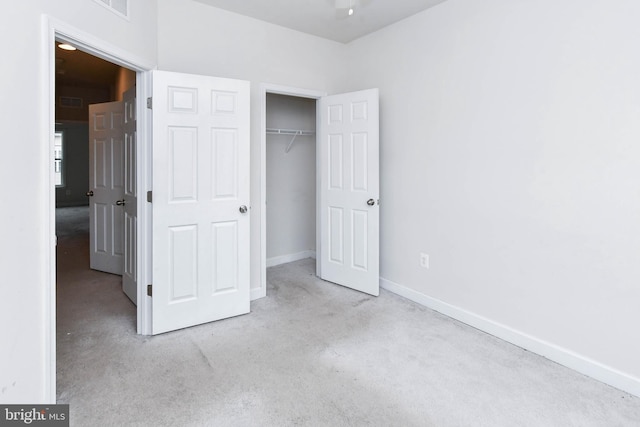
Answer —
24 247
510 154
291 180
196 38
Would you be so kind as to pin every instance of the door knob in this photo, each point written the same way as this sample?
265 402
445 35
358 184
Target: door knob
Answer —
371 202
120 202
90 193
243 209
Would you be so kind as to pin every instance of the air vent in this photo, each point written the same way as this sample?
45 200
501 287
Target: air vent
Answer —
70 102
119 7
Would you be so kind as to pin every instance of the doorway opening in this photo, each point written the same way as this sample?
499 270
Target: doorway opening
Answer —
290 179
83 82
288 146
85 296
60 31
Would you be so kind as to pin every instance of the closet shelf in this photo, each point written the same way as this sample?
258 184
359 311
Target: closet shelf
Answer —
294 132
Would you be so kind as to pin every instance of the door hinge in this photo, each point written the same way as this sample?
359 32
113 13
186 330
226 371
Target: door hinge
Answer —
149 196
150 290
150 103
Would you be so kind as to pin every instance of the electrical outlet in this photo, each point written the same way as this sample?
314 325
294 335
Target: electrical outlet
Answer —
424 260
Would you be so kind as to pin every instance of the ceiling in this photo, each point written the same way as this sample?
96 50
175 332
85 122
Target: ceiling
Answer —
321 17
77 68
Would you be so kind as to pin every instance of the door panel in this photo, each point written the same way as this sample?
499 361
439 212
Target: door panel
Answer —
224 259
349 181
106 181
130 270
200 182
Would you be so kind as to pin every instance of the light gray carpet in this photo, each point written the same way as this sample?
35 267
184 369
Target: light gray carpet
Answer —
72 221
310 354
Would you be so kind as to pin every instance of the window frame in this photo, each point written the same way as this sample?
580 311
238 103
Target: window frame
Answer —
108 4
61 160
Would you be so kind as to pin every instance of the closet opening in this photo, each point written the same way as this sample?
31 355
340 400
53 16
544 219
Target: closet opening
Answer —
290 178
328 182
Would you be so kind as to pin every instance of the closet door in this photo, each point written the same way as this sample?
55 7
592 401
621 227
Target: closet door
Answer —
348 205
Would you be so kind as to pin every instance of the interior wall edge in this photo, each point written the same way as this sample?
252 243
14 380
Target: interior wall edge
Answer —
555 353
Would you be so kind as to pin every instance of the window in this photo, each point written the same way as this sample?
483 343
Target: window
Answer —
58 159
119 7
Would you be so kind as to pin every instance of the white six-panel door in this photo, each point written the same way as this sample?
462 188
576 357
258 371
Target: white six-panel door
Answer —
349 190
106 182
129 272
200 200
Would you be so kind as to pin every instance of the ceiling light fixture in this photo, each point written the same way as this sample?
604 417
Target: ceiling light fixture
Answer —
66 46
344 8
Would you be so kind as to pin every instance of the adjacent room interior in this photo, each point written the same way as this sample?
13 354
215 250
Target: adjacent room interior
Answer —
82 80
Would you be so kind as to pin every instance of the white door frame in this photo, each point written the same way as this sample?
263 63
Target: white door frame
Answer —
266 88
52 30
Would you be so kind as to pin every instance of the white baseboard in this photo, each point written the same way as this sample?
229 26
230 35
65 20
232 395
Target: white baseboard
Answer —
560 355
283 259
257 293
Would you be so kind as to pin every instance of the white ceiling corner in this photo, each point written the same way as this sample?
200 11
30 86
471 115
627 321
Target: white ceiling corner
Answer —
321 17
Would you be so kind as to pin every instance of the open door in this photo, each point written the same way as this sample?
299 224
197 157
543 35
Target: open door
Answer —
129 272
200 200
348 205
106 186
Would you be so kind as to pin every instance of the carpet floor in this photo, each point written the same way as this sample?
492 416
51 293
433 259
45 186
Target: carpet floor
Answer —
309 354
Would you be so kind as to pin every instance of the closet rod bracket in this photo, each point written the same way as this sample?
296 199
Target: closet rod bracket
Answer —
294 132
291 142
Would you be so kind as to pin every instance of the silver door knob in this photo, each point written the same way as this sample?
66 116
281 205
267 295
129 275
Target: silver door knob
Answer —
243 209
120 202
90 193
371 202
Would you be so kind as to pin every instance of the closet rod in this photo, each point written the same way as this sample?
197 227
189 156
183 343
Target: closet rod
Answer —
290 131
294 132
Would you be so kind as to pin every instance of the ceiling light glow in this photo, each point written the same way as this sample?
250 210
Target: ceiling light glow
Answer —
350 11
66 46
